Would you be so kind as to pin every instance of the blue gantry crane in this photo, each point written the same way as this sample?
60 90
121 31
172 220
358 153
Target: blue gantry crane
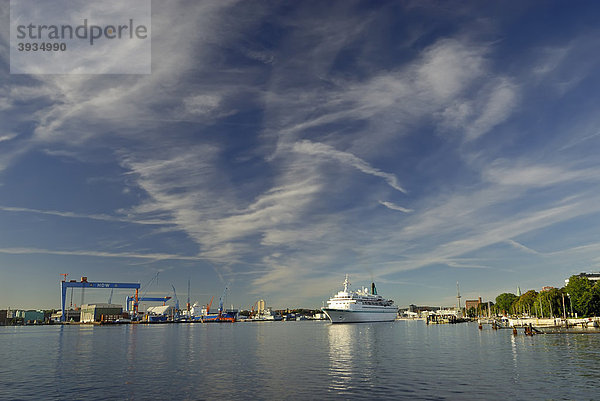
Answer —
84 283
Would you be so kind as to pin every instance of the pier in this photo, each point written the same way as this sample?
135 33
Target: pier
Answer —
532 326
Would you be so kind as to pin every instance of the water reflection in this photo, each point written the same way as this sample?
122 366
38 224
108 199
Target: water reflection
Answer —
299 360
352 351
58 368
131 351
513 347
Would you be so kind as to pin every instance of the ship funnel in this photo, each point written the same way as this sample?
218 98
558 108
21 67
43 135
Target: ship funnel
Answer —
373 289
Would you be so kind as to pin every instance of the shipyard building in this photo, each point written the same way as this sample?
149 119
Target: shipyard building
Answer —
100 312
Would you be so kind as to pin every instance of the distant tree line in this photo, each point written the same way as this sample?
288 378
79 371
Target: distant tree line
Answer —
580 296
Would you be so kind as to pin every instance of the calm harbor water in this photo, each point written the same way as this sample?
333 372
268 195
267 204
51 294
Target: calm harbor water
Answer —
294 360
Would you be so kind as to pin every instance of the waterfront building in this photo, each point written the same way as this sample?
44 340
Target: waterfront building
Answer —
161 313
100 312
261 306
30 316
72 315
161 310
472 303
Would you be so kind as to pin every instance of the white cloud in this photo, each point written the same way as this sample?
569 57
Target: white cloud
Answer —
101 217
201 104
100 254
449 66
393 206
474 116
126 106
497 106
451 81
7 137
513 173
5 104
278 207
548 59
522 247
320 149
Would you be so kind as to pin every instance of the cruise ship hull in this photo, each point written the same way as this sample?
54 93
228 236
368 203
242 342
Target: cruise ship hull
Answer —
355 316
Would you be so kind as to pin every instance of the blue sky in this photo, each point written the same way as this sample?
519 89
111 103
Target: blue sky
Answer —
277 146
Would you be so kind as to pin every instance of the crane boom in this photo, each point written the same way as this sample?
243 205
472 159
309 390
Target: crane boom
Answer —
129 300
209 304
137 298
221 301
175 296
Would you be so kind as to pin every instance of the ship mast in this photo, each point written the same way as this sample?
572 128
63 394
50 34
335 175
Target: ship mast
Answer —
346 284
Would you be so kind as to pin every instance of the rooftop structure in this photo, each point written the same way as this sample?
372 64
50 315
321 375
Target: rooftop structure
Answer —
594 276
161 310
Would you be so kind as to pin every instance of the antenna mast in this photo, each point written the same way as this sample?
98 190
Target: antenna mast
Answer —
458 297
188 299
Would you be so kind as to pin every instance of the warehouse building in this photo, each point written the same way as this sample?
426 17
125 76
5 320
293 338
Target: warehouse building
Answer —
30 316
100 313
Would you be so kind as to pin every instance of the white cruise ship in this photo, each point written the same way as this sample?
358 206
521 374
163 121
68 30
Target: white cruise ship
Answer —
360 306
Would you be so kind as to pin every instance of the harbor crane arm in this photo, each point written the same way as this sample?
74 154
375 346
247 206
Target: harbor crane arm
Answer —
129 299
175 297
209 304
221 301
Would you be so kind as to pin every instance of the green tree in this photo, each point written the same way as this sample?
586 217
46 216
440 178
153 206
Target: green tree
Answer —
594 304
549 303
525 304
588 304
504 302
580 294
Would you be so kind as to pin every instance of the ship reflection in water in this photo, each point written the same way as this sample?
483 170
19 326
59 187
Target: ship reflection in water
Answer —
351 356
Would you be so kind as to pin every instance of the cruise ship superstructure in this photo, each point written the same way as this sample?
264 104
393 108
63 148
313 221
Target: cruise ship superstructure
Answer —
358 306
